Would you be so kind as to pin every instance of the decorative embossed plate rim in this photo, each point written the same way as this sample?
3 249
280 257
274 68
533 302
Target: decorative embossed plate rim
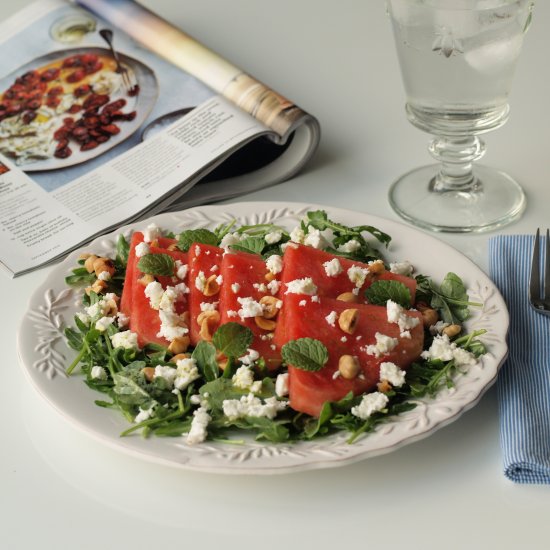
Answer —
44 356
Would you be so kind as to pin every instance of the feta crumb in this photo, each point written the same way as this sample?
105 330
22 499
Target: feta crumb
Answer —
103 323
151 232
438 327
297 235
181 270
357 275
249 308
315 298
274 264
219 279
200 281
197 250
186 372
84 317
314 238
401 268
166 372
371 403
209 306
251 356
172 325
244 378
445 350
333 268
301 286
396 314
273 286
122 319
302 303
384 344
126 339
235 287
232 313
250 405
154 292
281 384
273 237
331 318
350 247
229 239
104 276
98 373
199 424
392 373
142 249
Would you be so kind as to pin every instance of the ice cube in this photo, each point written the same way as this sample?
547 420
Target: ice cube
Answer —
494 57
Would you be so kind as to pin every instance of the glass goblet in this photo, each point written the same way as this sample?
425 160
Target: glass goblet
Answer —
457 61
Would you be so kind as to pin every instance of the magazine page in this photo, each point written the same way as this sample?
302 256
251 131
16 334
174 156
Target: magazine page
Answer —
86 146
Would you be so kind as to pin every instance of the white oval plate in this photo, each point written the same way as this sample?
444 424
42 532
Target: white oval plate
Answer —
44 355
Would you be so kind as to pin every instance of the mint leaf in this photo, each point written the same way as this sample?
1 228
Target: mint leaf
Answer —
232 339
205 356
157 264
252 245
381 291
202 236
305 354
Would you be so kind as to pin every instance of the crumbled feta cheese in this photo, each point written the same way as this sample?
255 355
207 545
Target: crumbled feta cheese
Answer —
350 247
126 339
172 325
251 356
219 279
151 232
104 276
401 268
244 379
142 249
281 384
200 281
103 323
301 286
396 314
232 313
438 327
199 424
445 350
186 372
344 339
384 344
209 306
333 268
98 373
235 287
122 319
392 373
273 286
154 292
181 270
84 317
229 239
302 303
169 297
357 275
250 405
315 298
314 238
274 264
371 403
260 287
249 308
198 250
166 372
297 235
273 237
145 414
331 318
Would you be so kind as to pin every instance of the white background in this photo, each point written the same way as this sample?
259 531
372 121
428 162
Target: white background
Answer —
59 489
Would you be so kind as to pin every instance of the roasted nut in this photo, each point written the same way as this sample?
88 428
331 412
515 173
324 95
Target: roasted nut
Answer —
98 287
347 320
104 264
172 247
146 279
208 322
348 297
452 330
270 276
377 267
349 367
269 305
154 242
89 263
429 317
265 324
209 314
384 386
84 256
179 344
149 373
211 286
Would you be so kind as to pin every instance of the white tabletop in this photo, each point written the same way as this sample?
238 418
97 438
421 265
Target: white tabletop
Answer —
60 489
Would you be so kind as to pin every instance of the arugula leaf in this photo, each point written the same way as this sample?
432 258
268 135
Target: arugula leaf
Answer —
305 354
122 250
205 356
232 339
252 245
381 291
79 277
202 236
157 264
128 390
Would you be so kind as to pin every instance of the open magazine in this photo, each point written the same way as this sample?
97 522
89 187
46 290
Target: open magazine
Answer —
109 114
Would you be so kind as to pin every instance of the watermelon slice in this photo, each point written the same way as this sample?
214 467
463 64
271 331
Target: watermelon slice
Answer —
244 278
317 319
144 320
204 263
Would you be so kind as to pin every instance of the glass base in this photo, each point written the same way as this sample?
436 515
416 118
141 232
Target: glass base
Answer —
495 200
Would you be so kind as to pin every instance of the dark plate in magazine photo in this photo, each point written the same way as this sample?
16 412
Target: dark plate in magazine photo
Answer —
70 106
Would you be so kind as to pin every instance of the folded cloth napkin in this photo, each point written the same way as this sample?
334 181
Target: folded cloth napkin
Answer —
523 385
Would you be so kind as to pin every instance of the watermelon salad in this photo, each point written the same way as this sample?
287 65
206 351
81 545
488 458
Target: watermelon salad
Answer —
288 335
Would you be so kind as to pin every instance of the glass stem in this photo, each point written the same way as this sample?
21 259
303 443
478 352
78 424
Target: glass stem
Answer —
456 155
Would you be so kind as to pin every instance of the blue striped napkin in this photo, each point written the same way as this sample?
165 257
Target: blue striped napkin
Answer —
523 385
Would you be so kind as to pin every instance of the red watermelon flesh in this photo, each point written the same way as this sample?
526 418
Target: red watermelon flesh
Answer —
126 298
306 318
244 276
144 320
205 259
